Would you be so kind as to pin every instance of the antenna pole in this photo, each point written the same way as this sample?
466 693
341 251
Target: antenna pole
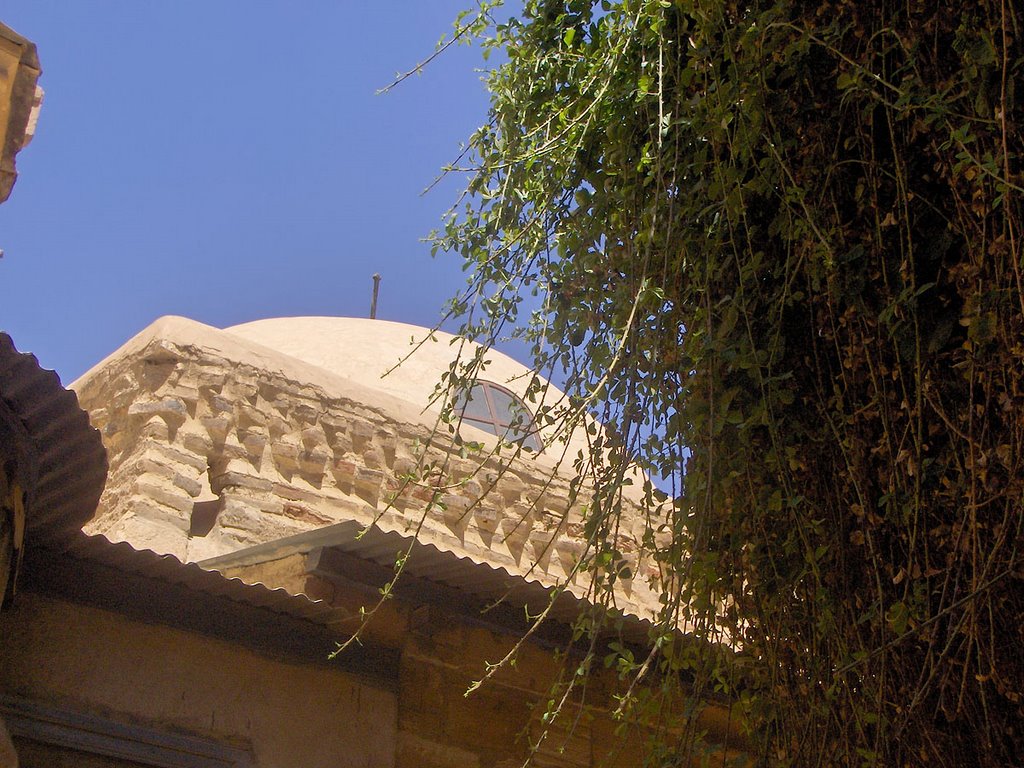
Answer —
373 301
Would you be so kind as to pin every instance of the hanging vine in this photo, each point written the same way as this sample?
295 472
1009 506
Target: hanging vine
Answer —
776 247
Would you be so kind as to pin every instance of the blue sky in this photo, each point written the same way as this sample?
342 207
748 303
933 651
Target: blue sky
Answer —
228 161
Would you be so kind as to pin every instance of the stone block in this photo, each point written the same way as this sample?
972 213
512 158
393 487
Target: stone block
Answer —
237 463
405 465
168 497
368 479
161 352
511 487
172 521
220 404
456 511
217 426
387 439
312 437
191 486
368 483
423 696
198 441
569 552
419 750
515 530
341 444
568 741
421 492
239 480
209 377
549 521
156 429
268 504
487 721
305 414
278 426
230 539
554 504
543 547
253 442
487 518
285 454
238 514
472 489
249 418
305 514
337 422
373 457
291 493
345 469
187 392
522 513
360 429
463 469
313 463
149 464
232 449
243 389
171 406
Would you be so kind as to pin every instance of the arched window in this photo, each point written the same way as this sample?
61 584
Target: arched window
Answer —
494 409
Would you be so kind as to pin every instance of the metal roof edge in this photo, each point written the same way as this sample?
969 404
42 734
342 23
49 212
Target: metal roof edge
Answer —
68 450
489 583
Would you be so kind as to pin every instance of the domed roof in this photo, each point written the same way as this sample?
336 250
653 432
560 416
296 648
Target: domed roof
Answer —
367 352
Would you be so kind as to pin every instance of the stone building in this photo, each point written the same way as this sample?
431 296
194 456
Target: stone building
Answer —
220 440
263 484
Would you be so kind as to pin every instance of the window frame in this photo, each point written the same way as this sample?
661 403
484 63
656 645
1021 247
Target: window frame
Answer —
528 438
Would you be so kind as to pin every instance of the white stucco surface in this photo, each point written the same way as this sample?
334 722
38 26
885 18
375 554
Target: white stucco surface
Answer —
367 352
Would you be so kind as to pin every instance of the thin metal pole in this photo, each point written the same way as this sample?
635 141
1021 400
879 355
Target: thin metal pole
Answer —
373 302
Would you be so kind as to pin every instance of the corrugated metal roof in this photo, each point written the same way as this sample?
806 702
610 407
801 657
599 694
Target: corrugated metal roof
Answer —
478 579
70 461
143 585
121 556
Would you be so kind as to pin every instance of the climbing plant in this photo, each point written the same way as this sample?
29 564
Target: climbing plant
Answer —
776 247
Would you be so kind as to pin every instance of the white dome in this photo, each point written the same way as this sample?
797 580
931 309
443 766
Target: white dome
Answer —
365 351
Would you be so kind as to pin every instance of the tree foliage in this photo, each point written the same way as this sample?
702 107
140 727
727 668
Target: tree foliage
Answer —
776 245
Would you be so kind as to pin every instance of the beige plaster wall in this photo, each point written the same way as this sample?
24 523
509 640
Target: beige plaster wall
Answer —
497 725
101 663
501 723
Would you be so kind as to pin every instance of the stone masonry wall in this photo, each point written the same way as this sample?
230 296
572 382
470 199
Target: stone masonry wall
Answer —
210 455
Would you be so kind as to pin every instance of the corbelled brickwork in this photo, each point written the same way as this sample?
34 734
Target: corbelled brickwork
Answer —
215 447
